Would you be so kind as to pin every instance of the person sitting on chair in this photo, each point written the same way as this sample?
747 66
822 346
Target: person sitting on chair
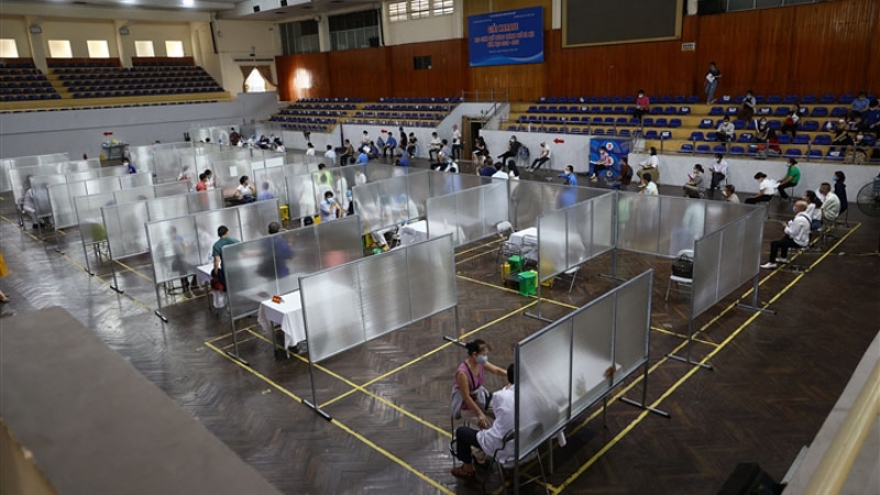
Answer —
814 209
512 150
602 164
729 193
468 392
650 165
718 169
791 179
491 440
694 186
725 132
831 203
245 192
797 235
766 189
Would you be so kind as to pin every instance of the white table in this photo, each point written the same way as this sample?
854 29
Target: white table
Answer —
412 233
218 298
527 240
288 314
203 274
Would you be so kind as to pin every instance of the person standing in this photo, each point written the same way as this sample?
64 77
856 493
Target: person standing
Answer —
712 76
569 177
456 143
840 190
217 252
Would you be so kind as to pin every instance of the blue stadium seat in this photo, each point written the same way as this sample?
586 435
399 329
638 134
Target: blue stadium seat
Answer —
684 110
737 150
745 137
686 149
711 136
665 135
774 99
839 112
794 153
670 110
810 126
781 111
784 139
651 134
706 124
704 149
661 122
697 136
846 98
808 99
675 123
719 148
827 99
790 99
802 139
739 124
815 154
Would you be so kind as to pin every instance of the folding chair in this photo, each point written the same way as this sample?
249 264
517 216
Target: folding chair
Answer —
509 464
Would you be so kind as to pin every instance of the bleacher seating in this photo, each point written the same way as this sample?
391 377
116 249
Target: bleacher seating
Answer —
320 115
681 124
23 82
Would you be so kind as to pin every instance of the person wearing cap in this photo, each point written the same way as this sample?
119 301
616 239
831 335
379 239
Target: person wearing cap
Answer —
791 179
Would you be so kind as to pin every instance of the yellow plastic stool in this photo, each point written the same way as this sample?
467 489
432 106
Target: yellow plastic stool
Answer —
285 212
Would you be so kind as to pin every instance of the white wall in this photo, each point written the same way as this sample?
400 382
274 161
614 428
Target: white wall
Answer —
573 151
16 28
81 131
79 32
158 33
674 170
294 140
235 40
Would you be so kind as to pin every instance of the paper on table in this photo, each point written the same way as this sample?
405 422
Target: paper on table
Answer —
233 171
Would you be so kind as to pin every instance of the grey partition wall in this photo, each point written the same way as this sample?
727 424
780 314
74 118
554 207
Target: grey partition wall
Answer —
135 180
272 179
7 164
574 362
205 200
91 224
421 284
124 227
228 173
529 200
149 192
470 214
574 235
42 204
660 225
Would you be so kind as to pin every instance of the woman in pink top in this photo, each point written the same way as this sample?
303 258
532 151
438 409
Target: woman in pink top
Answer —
643 105
468 392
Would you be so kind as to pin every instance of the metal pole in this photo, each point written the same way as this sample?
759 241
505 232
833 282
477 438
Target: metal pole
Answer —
516 419
754 306
115 285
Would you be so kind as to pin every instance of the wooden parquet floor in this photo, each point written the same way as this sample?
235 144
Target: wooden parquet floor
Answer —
775 378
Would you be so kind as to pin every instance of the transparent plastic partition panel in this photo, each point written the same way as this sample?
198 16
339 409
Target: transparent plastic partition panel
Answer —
495 206
525 204
174 248
170 189
117 171
470 214
82 175
124 226
544 375
443 218
63 213
135 194
394 201
301 196
751 244
340 241
431 277
164 208
228 174
82 165
88 214
167 164
376 172
705 288
721 213
136 180
604 226
19 178
296 255
332 327
731 257
367 204
274 160
42 203
591 353
632 325
103 185
552 236
638 222
207 223
681 223
579 226
323 182
384 293
142 157
205 200
342 185
249 268
418 189
256 217
269 182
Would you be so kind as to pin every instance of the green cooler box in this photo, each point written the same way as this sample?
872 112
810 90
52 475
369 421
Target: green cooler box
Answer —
528 283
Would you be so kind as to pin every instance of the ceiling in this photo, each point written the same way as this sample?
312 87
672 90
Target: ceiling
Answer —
270 10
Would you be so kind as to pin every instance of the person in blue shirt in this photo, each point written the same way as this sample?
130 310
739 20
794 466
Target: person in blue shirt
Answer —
363 157
265 193
390 146
403 161
488 169
859 105
870 121
568 175
283 252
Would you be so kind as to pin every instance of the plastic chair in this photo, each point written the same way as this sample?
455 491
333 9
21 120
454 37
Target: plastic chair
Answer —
683 284
502 466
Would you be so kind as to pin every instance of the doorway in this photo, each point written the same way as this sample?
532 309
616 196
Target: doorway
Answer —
470 127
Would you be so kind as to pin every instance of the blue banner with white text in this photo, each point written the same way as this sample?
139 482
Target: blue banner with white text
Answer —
505 38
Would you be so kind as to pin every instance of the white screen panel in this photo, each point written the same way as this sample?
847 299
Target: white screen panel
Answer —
632 325
331 307
591 353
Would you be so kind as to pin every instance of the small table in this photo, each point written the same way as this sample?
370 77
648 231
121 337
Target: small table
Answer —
527 240
288 314
412 233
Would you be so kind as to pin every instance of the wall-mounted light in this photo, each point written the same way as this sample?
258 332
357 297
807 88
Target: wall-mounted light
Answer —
34 29
188 3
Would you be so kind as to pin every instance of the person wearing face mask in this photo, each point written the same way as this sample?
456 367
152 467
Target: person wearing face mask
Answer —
841 137
512 150
643 105
469 396
766 189
330 209
797 235
748 107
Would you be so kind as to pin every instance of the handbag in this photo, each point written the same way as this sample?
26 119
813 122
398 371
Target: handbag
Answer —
683 267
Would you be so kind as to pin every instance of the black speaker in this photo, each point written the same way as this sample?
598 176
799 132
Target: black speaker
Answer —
256 8
284 3
705 7
374 41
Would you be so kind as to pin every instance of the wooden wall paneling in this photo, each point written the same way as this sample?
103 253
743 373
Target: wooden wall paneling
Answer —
872 74
444 79
364 73
303 76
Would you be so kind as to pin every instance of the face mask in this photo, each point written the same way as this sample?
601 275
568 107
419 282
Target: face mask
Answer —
794 210
330 200
482 359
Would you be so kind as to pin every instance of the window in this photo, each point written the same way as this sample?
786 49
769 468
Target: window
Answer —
8 48
443 7
419 9
300 37
422 63
733 5
397 11
173 48
60 49
255 83
98 49
144 49
354 30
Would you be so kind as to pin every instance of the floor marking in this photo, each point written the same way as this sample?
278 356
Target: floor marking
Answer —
481 246
484 253
507 289
139 274
683 336
693 369
338 424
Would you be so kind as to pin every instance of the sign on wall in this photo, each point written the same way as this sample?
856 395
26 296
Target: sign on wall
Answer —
615 148
505 38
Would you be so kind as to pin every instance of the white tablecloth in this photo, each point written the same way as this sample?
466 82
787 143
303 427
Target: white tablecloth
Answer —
412 233
527 240
203 274
288 314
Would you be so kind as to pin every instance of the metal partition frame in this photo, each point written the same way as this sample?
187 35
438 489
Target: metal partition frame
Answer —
608 340
528 200
469 214
144 193
424 285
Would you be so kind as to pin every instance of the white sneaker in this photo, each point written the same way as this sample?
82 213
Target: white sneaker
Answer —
783 260
769 266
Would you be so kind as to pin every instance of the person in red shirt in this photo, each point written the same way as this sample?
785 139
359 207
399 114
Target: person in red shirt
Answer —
203 183
643 104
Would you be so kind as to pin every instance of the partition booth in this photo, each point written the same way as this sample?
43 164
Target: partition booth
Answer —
386 292
7 164
257 270
180 247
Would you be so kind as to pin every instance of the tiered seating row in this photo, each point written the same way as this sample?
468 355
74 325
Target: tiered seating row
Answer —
127 105
319 115
24 84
